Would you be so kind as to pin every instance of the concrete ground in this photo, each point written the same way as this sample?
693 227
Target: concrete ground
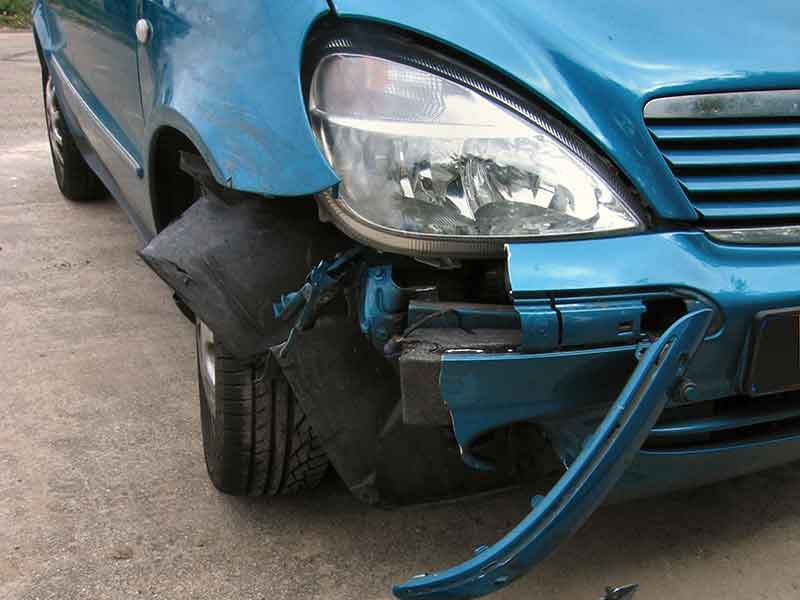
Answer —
103 491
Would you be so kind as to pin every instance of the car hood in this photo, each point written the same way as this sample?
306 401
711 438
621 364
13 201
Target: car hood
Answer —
597 63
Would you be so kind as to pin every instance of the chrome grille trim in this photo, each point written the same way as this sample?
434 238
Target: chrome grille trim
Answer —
731 105
782 235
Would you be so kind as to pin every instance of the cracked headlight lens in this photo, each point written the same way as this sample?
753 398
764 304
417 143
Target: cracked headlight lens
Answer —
425 157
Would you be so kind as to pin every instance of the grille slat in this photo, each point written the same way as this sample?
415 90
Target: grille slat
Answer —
713 184
732 168
724 131
733 158
750 209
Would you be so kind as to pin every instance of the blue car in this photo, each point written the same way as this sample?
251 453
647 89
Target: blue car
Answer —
444 248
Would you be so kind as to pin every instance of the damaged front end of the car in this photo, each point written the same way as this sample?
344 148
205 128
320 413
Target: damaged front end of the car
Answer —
483 300
419 396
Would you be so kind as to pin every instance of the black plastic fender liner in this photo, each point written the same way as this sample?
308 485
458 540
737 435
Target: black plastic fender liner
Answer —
351 396
231 255
346 391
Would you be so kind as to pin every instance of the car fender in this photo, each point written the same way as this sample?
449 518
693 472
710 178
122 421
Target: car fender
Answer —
227 75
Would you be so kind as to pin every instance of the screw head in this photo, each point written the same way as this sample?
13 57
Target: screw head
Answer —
687 391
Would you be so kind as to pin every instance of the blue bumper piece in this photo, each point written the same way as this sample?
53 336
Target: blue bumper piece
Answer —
583 487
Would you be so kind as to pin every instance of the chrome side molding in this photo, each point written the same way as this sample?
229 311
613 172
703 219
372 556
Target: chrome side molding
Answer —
729 105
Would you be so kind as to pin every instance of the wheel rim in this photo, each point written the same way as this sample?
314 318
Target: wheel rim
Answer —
54 123
207 360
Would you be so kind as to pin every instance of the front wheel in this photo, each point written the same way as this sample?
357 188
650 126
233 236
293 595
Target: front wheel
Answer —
256 437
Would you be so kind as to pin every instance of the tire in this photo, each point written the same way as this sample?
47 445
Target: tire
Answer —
256 438
75 178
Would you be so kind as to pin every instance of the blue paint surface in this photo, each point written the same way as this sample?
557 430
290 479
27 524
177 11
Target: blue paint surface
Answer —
382 311
738 280
229 73
654 473
600 323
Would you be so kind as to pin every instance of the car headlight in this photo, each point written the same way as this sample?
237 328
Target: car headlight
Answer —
429 166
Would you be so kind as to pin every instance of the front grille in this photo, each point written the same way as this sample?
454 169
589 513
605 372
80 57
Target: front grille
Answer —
736 156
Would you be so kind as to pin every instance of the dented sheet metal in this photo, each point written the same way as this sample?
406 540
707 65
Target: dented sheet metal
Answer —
583 487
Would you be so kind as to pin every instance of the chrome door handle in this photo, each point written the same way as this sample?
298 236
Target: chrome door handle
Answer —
143 31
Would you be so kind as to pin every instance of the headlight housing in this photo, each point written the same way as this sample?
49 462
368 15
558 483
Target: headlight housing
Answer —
431 165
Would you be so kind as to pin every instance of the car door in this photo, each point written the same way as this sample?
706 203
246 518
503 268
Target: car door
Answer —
94 60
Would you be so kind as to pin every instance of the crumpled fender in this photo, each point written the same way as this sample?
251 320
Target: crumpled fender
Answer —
583 487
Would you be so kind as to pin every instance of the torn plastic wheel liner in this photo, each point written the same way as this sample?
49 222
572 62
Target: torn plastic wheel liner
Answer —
586 483
230 255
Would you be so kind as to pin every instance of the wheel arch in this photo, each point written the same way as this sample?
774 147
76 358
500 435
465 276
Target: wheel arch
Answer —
236 95
171 190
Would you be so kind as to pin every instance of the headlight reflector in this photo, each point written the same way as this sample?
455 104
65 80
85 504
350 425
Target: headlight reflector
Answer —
426 157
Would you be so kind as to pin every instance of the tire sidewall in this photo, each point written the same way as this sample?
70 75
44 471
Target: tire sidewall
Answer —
58 168
211 423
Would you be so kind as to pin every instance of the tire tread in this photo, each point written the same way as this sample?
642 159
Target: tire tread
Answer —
264 444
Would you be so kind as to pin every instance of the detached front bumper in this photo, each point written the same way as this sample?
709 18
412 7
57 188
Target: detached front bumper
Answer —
588 480
563 389
583 304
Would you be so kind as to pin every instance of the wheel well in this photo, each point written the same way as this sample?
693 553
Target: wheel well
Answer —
172 190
